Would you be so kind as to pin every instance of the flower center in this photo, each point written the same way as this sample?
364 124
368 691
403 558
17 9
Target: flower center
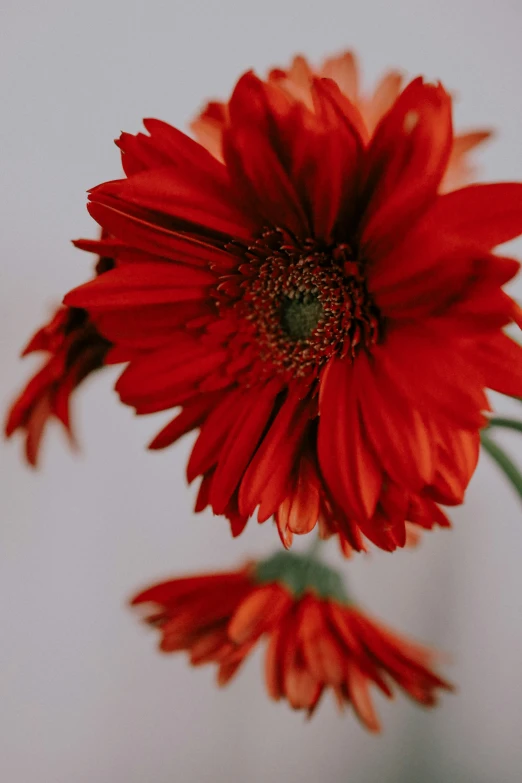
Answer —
299 303
300 315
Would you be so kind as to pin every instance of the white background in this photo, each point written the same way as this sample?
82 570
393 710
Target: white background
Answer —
84 695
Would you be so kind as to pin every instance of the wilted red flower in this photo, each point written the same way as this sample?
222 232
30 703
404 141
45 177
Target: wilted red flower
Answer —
317 641
343 69
326 318
75 350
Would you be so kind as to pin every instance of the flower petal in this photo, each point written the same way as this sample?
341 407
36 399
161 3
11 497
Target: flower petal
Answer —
347 464
407 157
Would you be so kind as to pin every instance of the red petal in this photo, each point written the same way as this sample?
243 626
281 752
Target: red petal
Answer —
358 688
192 415
407 157
164 146
214 432
243 438
482 215
347 464
139 284
399 434
301 507
326 159
500 360
151 326
268 474
175 367
253 154
192 198
155 235
433 377
322 652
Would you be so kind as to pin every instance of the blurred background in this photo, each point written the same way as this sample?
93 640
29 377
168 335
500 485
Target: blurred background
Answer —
84 696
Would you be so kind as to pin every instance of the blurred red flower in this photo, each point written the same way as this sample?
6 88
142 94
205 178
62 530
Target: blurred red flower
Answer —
75 349
317 641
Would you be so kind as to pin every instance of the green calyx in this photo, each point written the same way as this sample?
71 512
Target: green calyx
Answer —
302 574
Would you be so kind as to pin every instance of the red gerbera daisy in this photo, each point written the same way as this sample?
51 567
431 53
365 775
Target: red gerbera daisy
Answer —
75 350
317 640
317 308
343 69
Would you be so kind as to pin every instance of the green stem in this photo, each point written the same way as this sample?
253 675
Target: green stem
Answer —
504 462
501 421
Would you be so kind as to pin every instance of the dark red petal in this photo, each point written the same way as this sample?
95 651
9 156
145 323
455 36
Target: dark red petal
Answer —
347 464
173 367
386 528
400 436
167 592
252 147
162 238
203 492
333 106
267 476
165 145
151 326
251 421
484 215
500 359
192 198
214 432
300 509
407 157
192 415
433 378
426 513
325 161
38 418
139 284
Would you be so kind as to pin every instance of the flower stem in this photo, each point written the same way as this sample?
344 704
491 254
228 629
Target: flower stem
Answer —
504 462
501 421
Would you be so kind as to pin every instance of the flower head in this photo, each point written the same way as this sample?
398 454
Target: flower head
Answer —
326 318
317 641
74 349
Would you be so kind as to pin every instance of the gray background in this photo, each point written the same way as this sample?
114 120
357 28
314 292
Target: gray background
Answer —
84 696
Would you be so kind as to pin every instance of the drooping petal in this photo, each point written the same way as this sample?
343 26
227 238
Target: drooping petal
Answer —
347 463
260 611
300 509
192 415
242 441
214 431
271 468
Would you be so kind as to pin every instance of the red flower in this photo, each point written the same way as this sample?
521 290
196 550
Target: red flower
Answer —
296 82
320 312
75 350
316 640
